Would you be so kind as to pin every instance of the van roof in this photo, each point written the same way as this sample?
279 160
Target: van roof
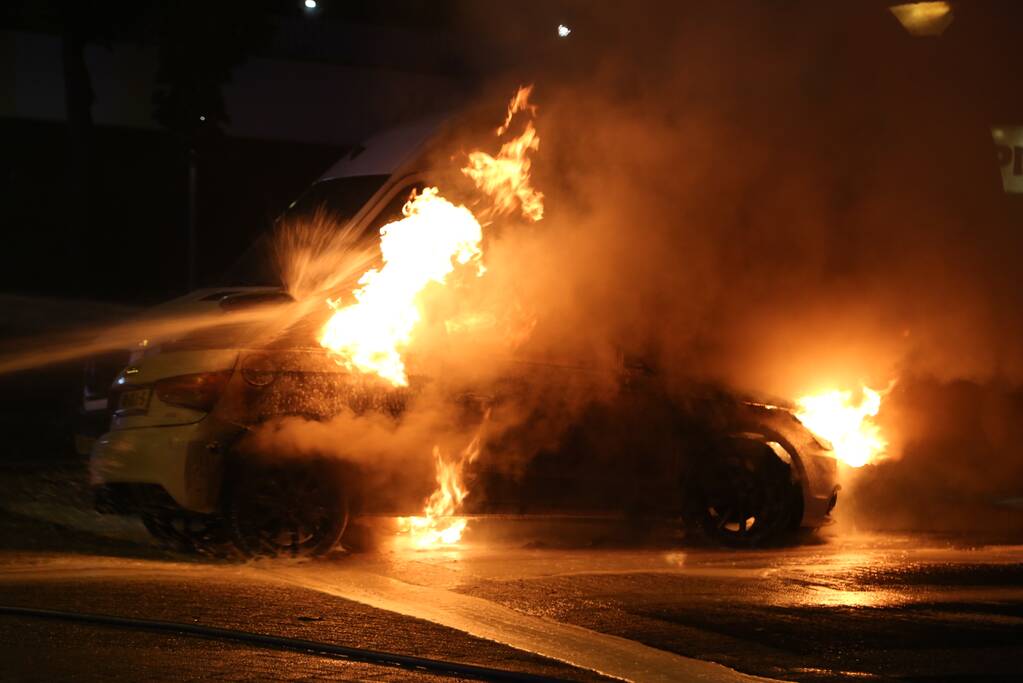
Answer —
383 154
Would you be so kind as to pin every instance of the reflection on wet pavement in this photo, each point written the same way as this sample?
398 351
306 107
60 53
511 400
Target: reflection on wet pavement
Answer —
851 605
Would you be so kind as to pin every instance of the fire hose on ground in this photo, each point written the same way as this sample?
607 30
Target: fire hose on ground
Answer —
356 654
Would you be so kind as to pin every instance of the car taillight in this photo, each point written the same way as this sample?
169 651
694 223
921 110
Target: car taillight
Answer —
199 391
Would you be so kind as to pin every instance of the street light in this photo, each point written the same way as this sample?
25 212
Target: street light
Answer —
310 4
563 31
923 18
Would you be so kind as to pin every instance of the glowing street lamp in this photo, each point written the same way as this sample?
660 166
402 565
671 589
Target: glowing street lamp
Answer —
923 18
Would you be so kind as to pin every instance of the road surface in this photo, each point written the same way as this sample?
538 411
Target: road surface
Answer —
551 597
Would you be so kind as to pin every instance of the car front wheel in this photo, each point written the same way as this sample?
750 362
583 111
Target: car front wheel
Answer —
747 496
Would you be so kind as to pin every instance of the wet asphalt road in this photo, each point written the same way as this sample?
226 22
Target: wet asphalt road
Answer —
868 606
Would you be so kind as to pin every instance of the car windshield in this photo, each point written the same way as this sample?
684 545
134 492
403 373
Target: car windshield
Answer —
338 198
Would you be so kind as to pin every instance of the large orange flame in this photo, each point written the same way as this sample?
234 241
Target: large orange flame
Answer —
434 237
849 425
423 247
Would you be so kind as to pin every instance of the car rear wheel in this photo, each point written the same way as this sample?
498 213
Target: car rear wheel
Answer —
289 510
747 497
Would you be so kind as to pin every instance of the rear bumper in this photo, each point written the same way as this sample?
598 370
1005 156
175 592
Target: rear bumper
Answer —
184 460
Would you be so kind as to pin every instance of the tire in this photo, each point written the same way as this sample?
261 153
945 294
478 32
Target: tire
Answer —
287 510
746 496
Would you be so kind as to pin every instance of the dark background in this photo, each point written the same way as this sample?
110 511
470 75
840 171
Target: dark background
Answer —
95 166
130 245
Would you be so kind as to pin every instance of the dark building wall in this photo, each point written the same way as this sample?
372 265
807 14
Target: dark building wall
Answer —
134 247
291 114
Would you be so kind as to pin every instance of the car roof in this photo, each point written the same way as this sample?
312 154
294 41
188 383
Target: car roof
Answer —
385 153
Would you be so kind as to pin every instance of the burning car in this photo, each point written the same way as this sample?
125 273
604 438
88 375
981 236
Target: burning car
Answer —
162 455
189 407
742 472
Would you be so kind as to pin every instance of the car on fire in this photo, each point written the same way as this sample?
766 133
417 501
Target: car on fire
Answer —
744 472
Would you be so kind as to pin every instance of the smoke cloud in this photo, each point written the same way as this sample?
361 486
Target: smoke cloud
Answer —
789 199
777 206
777 198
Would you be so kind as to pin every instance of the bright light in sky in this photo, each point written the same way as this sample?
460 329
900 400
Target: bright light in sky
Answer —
310 4
563 31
